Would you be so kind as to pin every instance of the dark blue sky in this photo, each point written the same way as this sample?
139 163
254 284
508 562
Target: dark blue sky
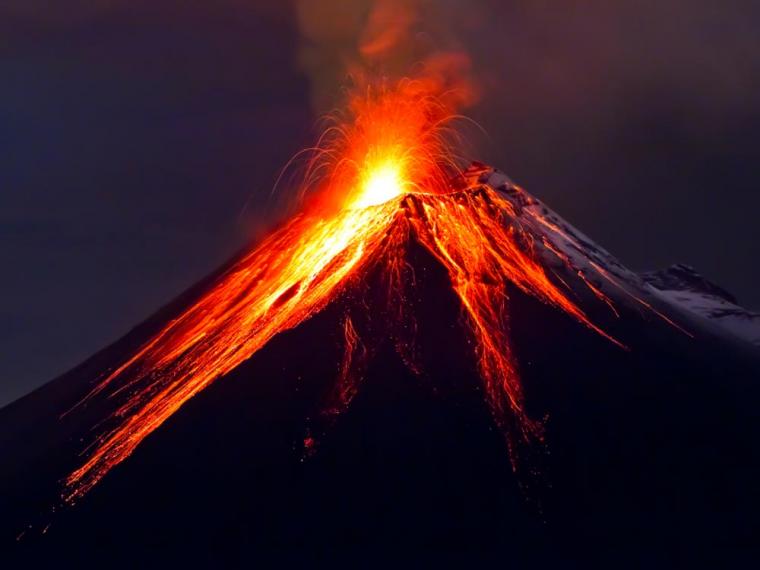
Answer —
132 134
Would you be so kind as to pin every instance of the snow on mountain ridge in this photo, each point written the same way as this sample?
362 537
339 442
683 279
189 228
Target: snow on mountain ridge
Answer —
679 286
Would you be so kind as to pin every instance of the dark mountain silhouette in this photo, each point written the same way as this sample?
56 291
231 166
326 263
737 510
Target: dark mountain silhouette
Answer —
650 451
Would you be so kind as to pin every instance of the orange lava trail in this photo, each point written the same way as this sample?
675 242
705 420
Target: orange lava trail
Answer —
470 234
282 282
593 288
355 355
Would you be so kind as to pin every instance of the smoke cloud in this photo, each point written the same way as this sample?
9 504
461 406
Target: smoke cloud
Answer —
346 41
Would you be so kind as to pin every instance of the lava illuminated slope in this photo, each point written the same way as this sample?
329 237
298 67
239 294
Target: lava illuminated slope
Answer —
390 182
307 263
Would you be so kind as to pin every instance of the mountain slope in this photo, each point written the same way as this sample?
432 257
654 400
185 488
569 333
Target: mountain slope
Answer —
648 430
683 286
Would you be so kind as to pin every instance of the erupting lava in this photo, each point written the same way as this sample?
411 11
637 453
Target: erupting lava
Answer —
385 179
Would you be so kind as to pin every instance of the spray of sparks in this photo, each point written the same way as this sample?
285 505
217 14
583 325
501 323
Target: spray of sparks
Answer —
384 173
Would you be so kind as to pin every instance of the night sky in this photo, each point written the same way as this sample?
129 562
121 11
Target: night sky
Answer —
139 142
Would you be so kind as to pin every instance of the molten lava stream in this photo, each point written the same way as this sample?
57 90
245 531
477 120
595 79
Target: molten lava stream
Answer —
286 279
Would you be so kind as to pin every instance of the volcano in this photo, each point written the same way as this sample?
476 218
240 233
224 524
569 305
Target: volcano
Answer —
460 373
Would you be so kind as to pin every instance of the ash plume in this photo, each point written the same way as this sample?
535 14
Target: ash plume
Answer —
344 42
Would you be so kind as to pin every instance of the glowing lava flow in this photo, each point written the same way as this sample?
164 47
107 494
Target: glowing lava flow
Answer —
386 186
287 278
